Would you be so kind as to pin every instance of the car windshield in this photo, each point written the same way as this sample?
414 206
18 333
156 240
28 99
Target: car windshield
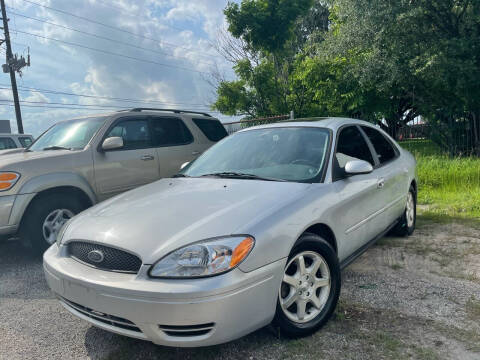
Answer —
283 154
71 135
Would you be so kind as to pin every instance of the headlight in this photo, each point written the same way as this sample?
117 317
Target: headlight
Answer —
61 232
205 258
8 179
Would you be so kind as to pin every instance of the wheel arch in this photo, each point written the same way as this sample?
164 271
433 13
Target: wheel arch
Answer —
325 232
62 183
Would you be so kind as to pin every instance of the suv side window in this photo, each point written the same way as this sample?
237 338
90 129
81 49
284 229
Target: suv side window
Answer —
25 141
7 143
383 148
134 132
170 131
212 129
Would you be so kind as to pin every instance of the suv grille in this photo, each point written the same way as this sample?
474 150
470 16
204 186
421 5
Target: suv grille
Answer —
104 257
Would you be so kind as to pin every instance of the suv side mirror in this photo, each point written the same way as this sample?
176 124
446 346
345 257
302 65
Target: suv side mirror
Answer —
357 167
112 143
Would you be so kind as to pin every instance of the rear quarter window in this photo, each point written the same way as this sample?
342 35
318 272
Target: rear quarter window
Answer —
212 129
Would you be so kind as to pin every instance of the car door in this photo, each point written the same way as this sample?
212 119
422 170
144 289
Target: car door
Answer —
131 166
360 197
391 172
174 144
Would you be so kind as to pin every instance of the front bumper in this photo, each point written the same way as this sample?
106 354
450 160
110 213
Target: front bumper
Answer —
12 208
185 313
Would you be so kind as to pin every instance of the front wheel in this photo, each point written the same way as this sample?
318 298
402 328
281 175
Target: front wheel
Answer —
310 287
44 218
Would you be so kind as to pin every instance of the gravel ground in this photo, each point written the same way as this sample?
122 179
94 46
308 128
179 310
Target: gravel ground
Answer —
413 298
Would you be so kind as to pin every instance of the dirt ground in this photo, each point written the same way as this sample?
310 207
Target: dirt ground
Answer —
415 298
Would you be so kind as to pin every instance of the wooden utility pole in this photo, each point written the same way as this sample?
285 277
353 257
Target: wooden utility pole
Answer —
11 69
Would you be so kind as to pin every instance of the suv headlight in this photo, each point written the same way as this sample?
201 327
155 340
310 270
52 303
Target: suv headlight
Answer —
8 179
205 258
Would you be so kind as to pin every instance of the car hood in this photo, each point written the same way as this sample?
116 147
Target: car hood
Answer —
23 156
156 219
11 151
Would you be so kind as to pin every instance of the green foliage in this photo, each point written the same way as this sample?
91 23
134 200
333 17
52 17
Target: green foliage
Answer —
265 24
383 61
447 185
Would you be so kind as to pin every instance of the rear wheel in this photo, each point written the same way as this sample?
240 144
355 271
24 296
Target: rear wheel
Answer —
406 225
44 218
310 287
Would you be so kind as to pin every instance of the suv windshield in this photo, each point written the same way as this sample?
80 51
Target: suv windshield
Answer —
72 135
289 153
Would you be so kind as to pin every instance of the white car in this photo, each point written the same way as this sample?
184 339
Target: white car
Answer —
255 230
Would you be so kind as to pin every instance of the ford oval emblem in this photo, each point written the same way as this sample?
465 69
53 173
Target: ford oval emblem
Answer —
95 256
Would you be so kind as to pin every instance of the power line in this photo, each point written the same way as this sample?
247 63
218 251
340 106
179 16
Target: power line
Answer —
111 53
110 26
104 37
48 91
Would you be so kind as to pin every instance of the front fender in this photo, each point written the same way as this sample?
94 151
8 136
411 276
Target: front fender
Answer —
45 182
59 179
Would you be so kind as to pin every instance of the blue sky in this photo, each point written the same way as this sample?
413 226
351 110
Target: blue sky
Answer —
175 33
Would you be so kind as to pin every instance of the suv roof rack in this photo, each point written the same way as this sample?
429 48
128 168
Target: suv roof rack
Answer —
176 111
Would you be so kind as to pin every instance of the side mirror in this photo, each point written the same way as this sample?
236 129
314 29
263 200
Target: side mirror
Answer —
112 143
357 167
184 164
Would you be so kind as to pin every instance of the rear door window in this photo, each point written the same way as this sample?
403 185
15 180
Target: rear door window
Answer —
7 143
212 129
170 131
383 147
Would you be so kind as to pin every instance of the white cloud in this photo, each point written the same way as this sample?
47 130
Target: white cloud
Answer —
183 29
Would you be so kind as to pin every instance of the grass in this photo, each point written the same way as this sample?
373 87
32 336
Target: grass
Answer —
447 186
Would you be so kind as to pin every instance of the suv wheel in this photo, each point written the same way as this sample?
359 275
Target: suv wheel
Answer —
44 218
310 287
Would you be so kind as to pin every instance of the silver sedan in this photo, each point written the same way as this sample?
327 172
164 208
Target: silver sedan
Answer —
254 231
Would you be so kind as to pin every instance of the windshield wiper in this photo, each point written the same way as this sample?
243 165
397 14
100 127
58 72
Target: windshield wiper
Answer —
55 147
180 175
237 175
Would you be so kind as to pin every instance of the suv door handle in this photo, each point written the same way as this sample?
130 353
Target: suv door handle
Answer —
195 152
381 183
147 157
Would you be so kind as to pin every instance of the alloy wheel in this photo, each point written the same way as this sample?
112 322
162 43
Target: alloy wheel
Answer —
305 287
53 223
410 210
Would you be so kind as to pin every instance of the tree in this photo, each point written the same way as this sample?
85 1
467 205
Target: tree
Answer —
269 40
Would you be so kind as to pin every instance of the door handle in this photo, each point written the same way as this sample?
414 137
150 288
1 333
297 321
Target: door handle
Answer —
381 183
195 152
147 157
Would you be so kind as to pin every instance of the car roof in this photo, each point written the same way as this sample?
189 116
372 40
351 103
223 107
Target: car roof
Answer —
131 112
333 123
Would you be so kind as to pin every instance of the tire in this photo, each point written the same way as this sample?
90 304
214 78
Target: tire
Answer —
406 225
47 207
290 322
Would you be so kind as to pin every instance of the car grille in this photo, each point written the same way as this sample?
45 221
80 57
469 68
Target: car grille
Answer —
102 317
104 257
